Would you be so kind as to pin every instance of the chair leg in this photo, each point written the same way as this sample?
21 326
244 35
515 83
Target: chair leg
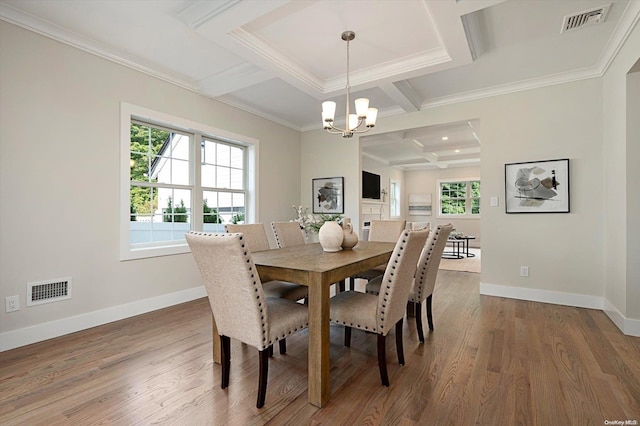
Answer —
382 360
399 345
429 317
419 321
283 346
347 336
352 283
225 353
262 379
270 350
341 285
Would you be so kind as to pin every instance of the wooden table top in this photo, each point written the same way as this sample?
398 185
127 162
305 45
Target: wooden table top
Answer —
295 263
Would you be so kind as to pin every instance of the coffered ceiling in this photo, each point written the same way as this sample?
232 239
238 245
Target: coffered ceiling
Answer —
280 59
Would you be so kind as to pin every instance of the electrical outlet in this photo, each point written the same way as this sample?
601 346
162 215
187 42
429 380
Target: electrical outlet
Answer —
524 271
12 303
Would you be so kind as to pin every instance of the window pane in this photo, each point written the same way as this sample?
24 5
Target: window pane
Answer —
179 172
475 189
238 201
223 177
209 149
175 205
208 177
160 169
475 206
140 165
236 179
237 157
210 210
180 146
223 154
143 202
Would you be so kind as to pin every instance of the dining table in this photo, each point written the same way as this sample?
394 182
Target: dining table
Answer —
311 266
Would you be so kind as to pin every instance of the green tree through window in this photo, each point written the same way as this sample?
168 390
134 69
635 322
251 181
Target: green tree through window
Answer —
460 198
146 143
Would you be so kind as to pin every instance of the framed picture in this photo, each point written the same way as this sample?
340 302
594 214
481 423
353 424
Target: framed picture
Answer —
537 187
328 195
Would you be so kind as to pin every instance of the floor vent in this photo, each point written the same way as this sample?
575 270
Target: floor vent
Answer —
48 291
583 19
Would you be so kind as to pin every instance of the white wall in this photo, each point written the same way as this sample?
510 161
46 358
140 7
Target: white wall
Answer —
59 165
621 283
563 251
324 155
426 181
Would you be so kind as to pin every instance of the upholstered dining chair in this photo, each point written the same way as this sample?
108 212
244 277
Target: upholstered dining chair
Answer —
233 286
378 314
288 234
256 239
386 231
425 278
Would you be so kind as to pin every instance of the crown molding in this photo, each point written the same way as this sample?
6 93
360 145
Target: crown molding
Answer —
247 108
505 89
625 26
70 38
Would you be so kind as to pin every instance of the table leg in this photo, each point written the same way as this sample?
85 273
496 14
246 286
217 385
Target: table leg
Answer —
216 342
318 340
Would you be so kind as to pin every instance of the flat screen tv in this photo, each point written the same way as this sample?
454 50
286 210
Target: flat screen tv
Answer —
370 185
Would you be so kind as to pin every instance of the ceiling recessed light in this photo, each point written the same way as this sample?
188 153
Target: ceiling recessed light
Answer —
456 151
445 138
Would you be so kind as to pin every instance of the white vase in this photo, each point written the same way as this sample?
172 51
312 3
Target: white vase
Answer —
331 236
350 238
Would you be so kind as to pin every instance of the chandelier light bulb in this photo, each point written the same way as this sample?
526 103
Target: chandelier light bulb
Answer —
353 122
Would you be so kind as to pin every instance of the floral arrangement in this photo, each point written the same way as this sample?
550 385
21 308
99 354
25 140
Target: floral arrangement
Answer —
312 223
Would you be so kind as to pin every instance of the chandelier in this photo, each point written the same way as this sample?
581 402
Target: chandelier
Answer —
364 114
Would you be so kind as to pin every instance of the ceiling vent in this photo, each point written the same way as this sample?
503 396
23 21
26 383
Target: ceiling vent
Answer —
586 18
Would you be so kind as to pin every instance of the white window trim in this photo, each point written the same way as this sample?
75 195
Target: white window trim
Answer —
456 216
127 111
398 197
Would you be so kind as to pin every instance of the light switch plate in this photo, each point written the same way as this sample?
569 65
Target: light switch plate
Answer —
494 201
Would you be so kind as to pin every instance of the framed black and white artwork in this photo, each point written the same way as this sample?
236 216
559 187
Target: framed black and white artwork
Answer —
328 195
537 187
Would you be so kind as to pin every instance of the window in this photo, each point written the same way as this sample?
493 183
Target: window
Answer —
459 197
170 187
394 199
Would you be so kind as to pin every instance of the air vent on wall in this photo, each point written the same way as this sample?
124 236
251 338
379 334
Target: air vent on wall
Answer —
583 19
48 291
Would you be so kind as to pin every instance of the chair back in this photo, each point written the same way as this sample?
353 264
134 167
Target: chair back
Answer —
429 262
255 234
397 278
386 231
288 234
233 286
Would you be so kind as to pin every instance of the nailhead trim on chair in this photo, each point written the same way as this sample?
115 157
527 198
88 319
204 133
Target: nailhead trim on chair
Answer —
405 235
423 271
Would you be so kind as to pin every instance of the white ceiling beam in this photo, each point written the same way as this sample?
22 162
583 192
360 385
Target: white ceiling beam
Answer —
232 79
403 94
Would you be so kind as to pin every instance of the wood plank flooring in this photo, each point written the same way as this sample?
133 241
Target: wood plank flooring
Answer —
490 361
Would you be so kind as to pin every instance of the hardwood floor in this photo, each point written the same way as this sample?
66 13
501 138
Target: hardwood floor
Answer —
490 361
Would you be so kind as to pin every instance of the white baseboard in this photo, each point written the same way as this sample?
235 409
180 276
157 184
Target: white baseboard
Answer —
37 333
629 327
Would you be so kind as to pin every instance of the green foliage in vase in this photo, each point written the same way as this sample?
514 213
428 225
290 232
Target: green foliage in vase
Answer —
321 219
